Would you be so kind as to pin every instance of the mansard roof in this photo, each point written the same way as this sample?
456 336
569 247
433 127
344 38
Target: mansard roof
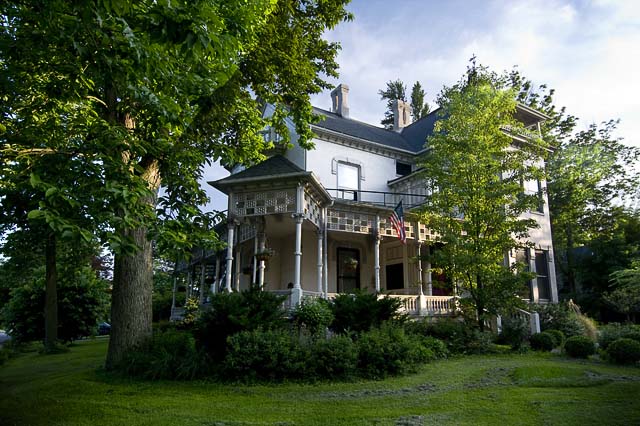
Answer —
411 139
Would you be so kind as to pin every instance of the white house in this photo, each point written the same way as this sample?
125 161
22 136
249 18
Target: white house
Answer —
320 218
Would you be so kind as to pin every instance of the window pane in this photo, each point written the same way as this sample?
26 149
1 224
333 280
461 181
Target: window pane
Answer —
542 271
347 176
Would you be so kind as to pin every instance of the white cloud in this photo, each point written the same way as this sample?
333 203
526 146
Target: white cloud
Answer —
587 51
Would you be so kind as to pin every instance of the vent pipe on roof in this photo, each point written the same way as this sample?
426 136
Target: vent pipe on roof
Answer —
339 100
401 114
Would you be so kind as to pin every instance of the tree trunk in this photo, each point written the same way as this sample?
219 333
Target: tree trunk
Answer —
131 307
480 304
51 294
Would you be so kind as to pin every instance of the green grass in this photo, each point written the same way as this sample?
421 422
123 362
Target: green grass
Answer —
530 389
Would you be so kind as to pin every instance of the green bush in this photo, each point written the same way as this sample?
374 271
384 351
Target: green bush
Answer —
232 313
542 341
558 337
168 355
624 351
264 355
515 332
558 316
82 301
436 346
314 315
332 359
579 347
460 337
363 311
388 350
614 331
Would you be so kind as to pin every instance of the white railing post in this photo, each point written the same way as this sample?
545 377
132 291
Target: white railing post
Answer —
534 321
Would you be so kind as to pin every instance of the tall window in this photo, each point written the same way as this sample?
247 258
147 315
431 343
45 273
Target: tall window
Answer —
535 187
522 256
542 274
348 180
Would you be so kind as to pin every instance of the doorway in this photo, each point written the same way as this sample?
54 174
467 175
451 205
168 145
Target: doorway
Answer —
395 276
348 270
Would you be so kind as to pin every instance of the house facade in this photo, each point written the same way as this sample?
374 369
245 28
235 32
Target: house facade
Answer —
313 223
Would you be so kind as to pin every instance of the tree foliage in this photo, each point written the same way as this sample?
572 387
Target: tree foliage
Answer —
397 90
475 172
419 106
142 94
591 174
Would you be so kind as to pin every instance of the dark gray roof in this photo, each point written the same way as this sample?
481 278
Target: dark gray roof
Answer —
411 139
416 133
362 130
273 166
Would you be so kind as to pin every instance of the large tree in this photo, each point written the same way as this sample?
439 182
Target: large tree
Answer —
397 90
156 90
475 171
591 173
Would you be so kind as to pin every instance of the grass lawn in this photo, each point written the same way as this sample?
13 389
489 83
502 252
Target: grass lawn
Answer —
531 389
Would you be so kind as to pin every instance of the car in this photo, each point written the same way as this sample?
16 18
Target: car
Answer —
4 337
104 328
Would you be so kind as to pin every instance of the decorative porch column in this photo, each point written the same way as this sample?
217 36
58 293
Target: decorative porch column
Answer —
216 281
255 260
175 287
429 278
376 254
320 260
325 254
261 265
238 271
231 225
296 293
202 273
422 301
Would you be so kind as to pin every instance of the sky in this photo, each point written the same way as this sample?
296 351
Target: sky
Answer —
588 51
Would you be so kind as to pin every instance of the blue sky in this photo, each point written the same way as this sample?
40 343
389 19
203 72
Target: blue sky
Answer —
588 51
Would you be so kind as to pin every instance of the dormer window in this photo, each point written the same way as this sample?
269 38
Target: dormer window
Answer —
403 169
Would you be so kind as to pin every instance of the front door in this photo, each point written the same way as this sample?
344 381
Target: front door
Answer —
348 270
395 276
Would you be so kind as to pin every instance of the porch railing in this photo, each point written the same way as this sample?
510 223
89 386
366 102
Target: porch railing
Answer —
378 198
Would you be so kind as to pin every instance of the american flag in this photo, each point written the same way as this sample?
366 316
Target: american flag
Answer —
397 220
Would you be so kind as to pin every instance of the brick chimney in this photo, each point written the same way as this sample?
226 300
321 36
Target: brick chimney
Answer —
339 100
401 114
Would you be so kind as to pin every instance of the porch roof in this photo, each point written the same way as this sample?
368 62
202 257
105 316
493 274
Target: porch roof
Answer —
272 169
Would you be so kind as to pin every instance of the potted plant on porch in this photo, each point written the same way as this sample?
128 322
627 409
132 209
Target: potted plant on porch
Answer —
350 264
264 254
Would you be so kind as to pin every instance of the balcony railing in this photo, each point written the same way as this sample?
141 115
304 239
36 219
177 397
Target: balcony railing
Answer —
378 198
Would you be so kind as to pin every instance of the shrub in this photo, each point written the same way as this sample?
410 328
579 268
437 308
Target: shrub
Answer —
614 331
82 301
624 351
437 346
579 347
515 332
315 315
231 313
542 341
558 316
335 358
460 337
168 355
388 350
558 337
362 311
260 355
